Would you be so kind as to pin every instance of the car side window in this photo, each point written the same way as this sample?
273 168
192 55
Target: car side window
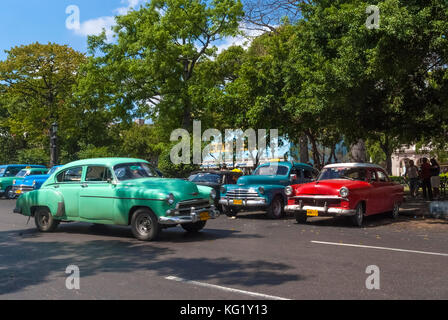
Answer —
372 176
98 174
70 175
382 177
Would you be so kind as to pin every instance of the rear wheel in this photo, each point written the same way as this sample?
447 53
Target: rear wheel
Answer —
145 225
44 220
276 209
396 211
358 218
194 227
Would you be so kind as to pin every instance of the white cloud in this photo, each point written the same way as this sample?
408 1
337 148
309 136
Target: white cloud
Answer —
96 26
243 40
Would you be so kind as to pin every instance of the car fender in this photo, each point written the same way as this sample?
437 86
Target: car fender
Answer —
52 199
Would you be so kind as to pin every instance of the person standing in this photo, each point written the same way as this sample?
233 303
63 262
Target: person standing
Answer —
425 175
412 175
435 178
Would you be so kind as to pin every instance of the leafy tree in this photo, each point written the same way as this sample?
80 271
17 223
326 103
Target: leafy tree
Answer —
151 67
38 81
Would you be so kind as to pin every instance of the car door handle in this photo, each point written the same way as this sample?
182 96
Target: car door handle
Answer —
84 185
56 186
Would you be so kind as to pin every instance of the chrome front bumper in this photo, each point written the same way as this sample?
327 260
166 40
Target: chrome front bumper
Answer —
322 210
193 217
246 202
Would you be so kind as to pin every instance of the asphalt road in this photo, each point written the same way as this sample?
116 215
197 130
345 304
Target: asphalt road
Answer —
247 258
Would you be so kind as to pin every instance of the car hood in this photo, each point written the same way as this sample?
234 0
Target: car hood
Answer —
30 179
328 187
178 187
263 180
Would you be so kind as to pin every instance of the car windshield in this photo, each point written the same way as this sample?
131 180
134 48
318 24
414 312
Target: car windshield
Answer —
205 177
343 173
22 174
131 171
271 170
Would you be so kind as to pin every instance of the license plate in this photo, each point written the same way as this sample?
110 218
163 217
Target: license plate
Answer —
18 191
204 216
312 213
238 202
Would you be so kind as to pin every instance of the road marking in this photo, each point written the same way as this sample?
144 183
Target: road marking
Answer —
201 284
381 248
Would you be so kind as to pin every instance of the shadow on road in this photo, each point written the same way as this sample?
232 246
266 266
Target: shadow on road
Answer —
29 258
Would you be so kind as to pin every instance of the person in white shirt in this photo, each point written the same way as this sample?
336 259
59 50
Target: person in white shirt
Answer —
413 176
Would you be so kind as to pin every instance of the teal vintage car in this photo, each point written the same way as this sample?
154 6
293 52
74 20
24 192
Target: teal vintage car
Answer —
265 188
118 191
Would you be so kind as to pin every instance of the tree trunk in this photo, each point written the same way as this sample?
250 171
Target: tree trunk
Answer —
303 148
358 152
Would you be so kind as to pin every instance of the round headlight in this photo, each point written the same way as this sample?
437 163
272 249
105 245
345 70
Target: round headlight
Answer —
289 191
344 192
261 189
170 199
213 194
223 190
34 182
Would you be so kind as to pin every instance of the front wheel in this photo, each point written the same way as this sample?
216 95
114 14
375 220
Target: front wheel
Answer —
44 220
194 227
358 218
9 194
276 209
301 217
229 211
145 225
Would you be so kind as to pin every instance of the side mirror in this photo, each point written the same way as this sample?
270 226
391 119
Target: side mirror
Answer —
293 177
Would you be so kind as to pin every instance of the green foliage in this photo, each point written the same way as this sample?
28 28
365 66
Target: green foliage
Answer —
33 156
90 151
171 170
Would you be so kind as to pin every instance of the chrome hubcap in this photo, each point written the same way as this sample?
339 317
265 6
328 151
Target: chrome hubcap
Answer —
144 224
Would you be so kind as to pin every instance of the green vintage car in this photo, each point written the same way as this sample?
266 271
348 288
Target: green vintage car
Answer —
118 191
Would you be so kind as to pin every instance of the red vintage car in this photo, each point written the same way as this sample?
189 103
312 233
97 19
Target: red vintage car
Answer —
355 190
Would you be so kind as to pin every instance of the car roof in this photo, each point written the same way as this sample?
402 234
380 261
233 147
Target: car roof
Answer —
22 165
288 164
216 172
354 165
104 162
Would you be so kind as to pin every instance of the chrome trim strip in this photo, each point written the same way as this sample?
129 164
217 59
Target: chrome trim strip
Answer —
325 210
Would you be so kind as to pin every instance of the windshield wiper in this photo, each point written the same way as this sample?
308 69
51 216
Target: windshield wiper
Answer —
349 178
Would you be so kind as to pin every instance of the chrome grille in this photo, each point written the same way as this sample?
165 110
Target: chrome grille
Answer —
184 207
243 194
23 188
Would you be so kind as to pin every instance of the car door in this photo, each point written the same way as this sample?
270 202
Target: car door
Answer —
68 183
98 194
386 191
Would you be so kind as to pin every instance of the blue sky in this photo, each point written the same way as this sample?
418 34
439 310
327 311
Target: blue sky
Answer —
26 21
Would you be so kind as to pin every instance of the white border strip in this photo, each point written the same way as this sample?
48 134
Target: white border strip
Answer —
380 248
201 284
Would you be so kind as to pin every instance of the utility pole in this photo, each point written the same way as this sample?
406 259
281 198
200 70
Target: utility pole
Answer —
54 145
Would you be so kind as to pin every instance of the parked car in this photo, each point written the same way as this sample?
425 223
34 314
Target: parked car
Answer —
31 182
215 179
265 189
8 174
118 191
355 190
